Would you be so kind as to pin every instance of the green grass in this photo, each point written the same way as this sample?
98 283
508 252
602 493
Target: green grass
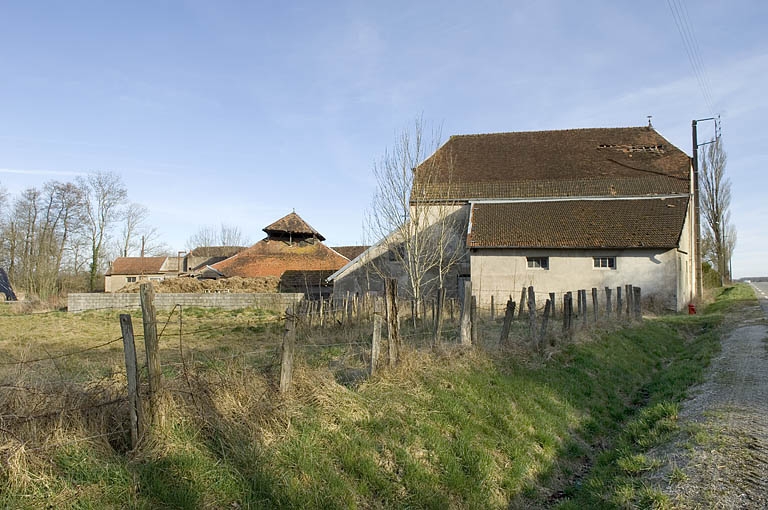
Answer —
730 298
466 430
616 481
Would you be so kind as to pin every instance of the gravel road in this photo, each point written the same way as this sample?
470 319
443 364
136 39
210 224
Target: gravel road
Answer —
722 460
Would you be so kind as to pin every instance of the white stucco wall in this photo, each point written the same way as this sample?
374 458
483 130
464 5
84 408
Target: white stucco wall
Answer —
503 272
113 283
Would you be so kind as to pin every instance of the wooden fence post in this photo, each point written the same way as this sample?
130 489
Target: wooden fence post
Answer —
509 315
350 306
438 338
570 311
359 307
619 304
552 300
376 340
578 303
474 320
544 321
493 309
637 302
149 318
584 307
523 301
628 294
393 324
466 320
289 346
136 417
594 303
566 297
532 311
608 303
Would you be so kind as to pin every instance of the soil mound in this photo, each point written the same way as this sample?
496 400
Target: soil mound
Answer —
234 284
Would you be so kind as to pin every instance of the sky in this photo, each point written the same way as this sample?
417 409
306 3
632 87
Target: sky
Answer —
239 112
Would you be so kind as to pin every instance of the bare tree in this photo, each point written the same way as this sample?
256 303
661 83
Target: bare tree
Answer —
205 236
136 236
715 206
104 194
36 232
231 235
209 235
420 229
133 217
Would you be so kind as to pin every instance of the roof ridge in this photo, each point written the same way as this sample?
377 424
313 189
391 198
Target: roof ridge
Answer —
569 130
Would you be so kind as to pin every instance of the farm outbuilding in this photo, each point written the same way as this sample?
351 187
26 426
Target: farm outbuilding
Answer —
292 249
127 270
560 210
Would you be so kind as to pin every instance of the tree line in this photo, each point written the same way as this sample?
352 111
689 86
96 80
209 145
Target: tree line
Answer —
61 236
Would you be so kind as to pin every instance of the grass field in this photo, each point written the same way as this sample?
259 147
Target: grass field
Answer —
479 428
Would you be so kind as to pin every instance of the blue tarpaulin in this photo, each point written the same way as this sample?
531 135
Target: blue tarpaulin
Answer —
5 286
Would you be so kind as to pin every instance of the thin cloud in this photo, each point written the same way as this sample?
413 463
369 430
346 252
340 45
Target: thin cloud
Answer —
20 171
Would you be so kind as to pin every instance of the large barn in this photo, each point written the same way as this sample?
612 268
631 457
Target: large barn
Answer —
559 210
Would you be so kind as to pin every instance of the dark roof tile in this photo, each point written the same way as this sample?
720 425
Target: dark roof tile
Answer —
292 224
575 162
641 223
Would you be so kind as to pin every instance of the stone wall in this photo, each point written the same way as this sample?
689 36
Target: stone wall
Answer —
227 301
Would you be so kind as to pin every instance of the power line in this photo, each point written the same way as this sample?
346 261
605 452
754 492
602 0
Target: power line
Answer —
692 49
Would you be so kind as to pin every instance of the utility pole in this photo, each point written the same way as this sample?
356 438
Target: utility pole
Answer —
696 207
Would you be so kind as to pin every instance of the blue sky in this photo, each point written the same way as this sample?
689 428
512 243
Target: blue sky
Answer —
239 112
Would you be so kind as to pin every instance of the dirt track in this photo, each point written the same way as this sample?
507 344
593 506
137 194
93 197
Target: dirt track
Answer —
722 462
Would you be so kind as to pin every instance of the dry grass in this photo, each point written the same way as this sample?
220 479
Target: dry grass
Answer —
452 427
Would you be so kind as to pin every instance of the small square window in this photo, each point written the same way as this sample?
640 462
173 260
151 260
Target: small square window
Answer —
131 279
604 262
538 262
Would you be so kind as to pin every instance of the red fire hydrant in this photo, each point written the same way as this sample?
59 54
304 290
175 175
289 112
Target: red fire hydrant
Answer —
691 309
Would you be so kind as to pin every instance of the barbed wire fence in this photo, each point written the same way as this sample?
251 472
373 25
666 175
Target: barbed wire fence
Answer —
355 335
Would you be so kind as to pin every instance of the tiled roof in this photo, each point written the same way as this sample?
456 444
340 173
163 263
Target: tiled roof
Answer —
350 251
136 265
576 162
274 257
641 223
292 224
304 281
216 251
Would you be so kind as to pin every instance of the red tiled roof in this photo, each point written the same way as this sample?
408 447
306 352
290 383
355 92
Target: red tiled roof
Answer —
642 223
350 251
274 257
136 265
216 251
576 162
292 224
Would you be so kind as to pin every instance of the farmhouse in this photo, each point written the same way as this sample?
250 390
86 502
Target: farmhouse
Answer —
125 270
292 251
559 210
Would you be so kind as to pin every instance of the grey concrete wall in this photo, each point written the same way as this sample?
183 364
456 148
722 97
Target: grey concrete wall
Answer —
227 301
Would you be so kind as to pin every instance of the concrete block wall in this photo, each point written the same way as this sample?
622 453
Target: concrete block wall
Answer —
228 301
